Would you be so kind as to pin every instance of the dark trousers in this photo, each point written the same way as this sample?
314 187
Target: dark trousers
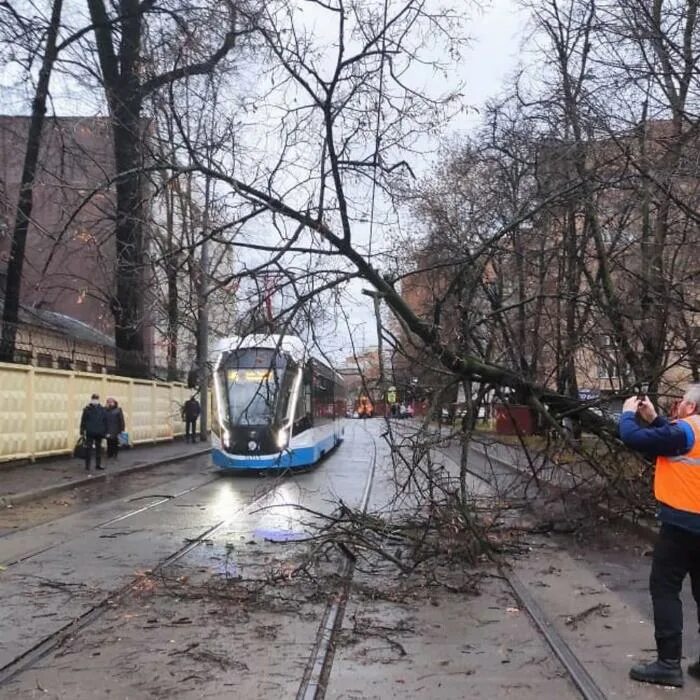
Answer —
676 553
112 447
190 429
93 442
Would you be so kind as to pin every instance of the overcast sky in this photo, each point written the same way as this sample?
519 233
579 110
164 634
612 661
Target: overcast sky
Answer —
496 33
495 52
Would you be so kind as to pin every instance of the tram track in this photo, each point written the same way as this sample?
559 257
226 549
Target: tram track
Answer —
87 495
13 561
582 680
320 663
28 658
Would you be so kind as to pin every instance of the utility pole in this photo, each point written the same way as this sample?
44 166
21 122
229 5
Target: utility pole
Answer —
203 344
203 320
377 298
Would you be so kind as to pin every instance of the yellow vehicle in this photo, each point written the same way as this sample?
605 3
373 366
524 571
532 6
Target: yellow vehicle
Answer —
364 407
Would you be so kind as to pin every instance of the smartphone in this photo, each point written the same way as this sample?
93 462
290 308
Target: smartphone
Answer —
642 392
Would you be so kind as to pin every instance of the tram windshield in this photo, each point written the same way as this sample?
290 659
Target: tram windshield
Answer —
250 381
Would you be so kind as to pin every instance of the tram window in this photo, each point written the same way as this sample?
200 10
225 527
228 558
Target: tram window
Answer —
323 398
303 419
251 396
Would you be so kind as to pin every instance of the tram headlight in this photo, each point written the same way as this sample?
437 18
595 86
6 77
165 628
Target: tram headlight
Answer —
282 438
226 436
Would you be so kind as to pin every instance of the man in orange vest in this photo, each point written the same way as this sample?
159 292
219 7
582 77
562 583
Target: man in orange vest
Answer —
676 446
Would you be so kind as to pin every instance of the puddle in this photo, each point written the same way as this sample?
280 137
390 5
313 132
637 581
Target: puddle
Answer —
280 535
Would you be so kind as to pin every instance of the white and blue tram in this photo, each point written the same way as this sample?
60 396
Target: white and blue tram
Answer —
275 406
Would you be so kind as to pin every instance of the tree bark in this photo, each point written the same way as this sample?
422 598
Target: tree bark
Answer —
13 285
125 91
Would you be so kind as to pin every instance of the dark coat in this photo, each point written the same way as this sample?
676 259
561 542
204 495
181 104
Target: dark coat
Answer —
191 409
115 421
94 421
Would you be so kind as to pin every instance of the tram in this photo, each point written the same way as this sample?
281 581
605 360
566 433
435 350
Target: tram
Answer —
275 405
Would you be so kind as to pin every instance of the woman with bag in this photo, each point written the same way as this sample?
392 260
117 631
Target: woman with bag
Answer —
115 426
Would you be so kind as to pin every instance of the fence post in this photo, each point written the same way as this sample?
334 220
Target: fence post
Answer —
71 410
171 415
130 412
154 416
31 415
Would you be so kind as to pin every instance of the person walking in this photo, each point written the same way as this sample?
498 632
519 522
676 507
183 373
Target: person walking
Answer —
676 446
93 428
190 413
115 426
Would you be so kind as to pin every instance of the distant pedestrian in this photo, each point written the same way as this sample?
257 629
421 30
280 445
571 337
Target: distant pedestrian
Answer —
115 426
676 445
93 429
190 413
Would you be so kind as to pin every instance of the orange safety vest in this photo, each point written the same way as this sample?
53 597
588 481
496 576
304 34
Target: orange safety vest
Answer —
677 479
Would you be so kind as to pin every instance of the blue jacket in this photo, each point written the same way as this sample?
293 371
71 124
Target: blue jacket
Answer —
662 438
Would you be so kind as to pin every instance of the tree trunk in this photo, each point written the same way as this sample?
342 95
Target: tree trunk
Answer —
128 304
120 73
10 317
171 269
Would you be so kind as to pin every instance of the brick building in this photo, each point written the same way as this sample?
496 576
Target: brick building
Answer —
70 261
649 238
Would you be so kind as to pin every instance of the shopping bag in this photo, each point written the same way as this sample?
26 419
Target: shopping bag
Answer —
80 449
123 439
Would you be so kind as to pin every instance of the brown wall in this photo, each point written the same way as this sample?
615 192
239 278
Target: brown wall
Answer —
75 159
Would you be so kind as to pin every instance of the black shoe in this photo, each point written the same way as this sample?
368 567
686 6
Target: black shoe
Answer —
661 672
100 467
694 670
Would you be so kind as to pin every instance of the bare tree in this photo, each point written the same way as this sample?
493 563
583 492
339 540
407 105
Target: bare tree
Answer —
119 39
10 317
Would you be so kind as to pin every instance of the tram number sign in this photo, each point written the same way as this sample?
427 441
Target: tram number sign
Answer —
391 394
248 375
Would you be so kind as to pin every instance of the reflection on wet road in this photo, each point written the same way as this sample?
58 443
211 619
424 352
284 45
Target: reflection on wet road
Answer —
75 562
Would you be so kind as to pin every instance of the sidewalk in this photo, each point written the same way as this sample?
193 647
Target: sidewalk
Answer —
30 481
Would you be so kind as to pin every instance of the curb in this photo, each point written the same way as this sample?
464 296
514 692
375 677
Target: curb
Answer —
25 496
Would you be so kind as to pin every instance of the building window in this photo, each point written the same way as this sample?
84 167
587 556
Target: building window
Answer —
65 363
43 359
97 367
81 366
606 369
23 357
613 368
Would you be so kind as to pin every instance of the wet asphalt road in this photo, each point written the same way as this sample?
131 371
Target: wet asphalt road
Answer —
437 646
55 572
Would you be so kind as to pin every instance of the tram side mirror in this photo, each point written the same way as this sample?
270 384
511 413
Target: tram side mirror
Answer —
192 379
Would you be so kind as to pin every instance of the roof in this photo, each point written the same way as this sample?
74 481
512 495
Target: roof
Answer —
287 343
68 325
291 344
61 324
